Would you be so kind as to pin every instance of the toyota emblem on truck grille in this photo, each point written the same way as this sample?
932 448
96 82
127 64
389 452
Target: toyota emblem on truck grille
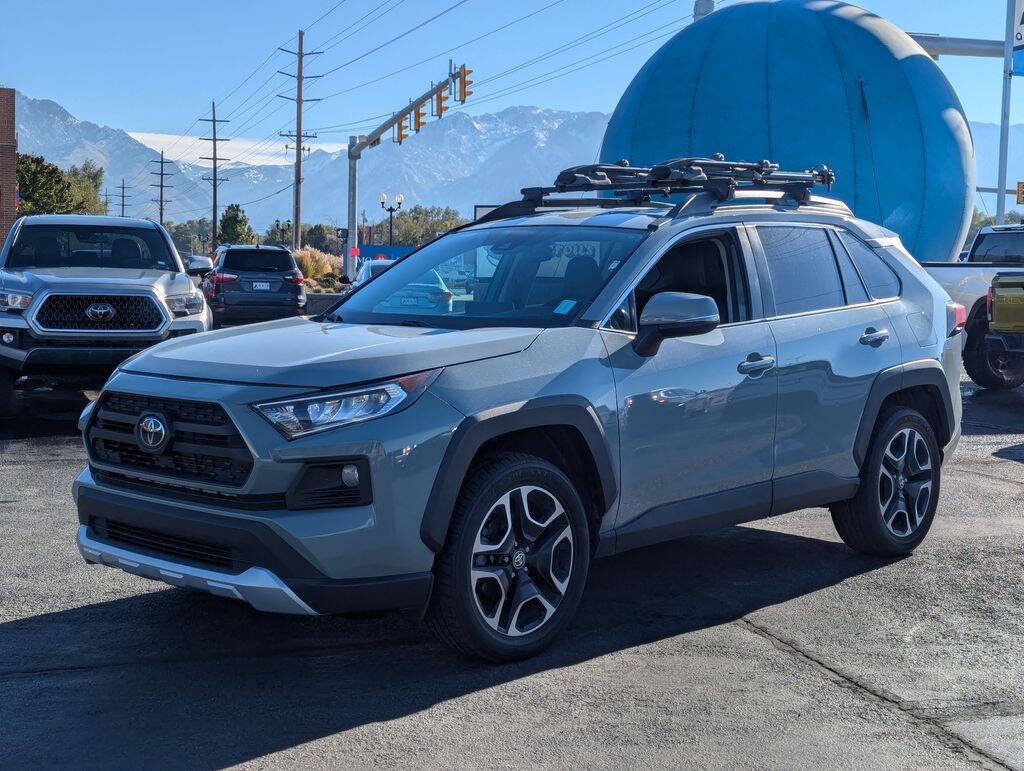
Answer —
100 312
152 433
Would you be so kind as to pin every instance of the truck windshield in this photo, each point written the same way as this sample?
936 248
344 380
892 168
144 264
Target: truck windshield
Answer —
84 246
1005 247
537 276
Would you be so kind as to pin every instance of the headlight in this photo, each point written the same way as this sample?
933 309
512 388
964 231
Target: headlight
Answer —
299 417
14 300
185 304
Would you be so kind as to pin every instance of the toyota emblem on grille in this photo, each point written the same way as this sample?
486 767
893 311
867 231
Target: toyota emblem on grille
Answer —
152 433
100 312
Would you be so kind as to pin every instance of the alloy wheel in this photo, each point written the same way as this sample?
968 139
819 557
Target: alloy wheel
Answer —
905 482
523 558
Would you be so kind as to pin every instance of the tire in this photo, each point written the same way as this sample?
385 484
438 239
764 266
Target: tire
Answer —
7 397
493 599
871 522
997 371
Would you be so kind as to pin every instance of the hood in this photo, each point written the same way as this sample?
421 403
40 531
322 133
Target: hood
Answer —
105 279
310 354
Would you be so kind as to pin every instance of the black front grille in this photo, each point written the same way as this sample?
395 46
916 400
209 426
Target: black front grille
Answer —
70 311
191 549
205 446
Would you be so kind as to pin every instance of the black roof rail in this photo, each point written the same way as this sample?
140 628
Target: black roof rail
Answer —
622 185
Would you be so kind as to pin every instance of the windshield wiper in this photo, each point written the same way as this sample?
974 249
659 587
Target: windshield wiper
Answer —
413 323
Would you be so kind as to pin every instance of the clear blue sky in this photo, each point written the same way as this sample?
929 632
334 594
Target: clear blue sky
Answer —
153 67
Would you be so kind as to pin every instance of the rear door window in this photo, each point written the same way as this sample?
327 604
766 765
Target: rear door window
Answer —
802 269
881 280
258 261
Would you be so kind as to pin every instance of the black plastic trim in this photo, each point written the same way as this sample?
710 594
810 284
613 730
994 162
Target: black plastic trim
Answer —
475 430
255 543
810 489
1006 342
924 372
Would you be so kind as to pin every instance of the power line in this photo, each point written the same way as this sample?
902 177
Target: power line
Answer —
162 174
122 195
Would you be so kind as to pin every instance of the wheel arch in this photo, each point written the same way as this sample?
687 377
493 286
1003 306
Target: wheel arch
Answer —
921 385
563 429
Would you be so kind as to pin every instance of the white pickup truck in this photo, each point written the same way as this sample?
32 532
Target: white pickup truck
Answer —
995 249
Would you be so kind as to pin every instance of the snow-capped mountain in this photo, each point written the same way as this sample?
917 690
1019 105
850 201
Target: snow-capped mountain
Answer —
458 161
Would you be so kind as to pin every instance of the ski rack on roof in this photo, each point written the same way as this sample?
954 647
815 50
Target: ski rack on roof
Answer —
623 185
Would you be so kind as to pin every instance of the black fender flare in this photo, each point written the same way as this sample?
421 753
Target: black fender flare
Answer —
471 434
924 372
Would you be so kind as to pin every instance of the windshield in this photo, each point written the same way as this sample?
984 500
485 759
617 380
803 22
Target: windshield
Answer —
84 246
258 261
539 276
998 247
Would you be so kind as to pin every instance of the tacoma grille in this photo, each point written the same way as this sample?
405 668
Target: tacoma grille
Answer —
172 545
136 313
204 448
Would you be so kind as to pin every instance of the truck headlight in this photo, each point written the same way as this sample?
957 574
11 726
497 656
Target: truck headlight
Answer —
312 414
14 301
185 304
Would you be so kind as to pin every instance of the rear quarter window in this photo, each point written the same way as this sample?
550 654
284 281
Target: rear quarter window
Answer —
1001 247
881 280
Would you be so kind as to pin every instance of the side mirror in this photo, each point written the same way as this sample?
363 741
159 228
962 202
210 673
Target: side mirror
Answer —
674 314
199 266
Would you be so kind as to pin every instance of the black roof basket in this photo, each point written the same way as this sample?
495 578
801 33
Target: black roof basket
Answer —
639 186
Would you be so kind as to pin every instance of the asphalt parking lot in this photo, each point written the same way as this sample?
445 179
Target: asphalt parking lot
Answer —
766 645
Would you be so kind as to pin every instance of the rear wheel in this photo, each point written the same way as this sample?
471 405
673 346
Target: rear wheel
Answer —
894 507
988 368
512 572
7 379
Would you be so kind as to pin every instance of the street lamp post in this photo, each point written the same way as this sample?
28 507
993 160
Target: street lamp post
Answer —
391 214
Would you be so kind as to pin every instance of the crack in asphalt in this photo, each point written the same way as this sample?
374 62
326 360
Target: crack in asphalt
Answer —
930 723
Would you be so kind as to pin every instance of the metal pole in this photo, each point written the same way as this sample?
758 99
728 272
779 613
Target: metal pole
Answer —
391 226
1004 126
353 232
297 217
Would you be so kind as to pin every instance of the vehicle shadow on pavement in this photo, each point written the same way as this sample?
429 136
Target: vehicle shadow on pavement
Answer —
171 677
44 414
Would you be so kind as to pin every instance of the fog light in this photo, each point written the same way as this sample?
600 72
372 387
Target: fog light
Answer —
8 338
350 476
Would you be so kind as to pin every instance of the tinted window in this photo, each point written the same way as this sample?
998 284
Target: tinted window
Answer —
855 292
1006 247
802 268
881 280
258 260
82 246
540 276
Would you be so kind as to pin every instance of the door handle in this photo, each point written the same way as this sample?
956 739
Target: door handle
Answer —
755 364
874 336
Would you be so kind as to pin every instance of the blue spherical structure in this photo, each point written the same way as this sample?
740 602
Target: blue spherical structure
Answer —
803 82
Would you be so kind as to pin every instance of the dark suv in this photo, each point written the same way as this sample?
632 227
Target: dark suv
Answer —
254 283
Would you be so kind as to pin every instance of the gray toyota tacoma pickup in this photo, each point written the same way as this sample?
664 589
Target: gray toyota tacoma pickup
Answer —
616 372
79 294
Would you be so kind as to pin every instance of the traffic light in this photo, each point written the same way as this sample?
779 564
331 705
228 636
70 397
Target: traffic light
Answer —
464 83
439 102
417 118
402 128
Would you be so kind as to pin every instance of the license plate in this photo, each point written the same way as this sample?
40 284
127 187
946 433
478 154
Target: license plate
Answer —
410 301
261 286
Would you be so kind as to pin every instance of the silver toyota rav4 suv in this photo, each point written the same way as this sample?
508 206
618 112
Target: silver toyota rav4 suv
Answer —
616 372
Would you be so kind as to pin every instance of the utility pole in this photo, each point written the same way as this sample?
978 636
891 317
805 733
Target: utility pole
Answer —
122 195
106 201
1004 125
162 174
297 135
213 120
438 94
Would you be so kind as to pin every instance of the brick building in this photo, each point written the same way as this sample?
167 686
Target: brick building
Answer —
8 154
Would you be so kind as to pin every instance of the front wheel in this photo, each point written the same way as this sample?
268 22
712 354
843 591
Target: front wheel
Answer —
513 569
992 369
899 490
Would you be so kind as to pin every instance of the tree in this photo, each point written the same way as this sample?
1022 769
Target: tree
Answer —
192 236
235 227
320 237
418 224
43 187
279 233
86 181
979 221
